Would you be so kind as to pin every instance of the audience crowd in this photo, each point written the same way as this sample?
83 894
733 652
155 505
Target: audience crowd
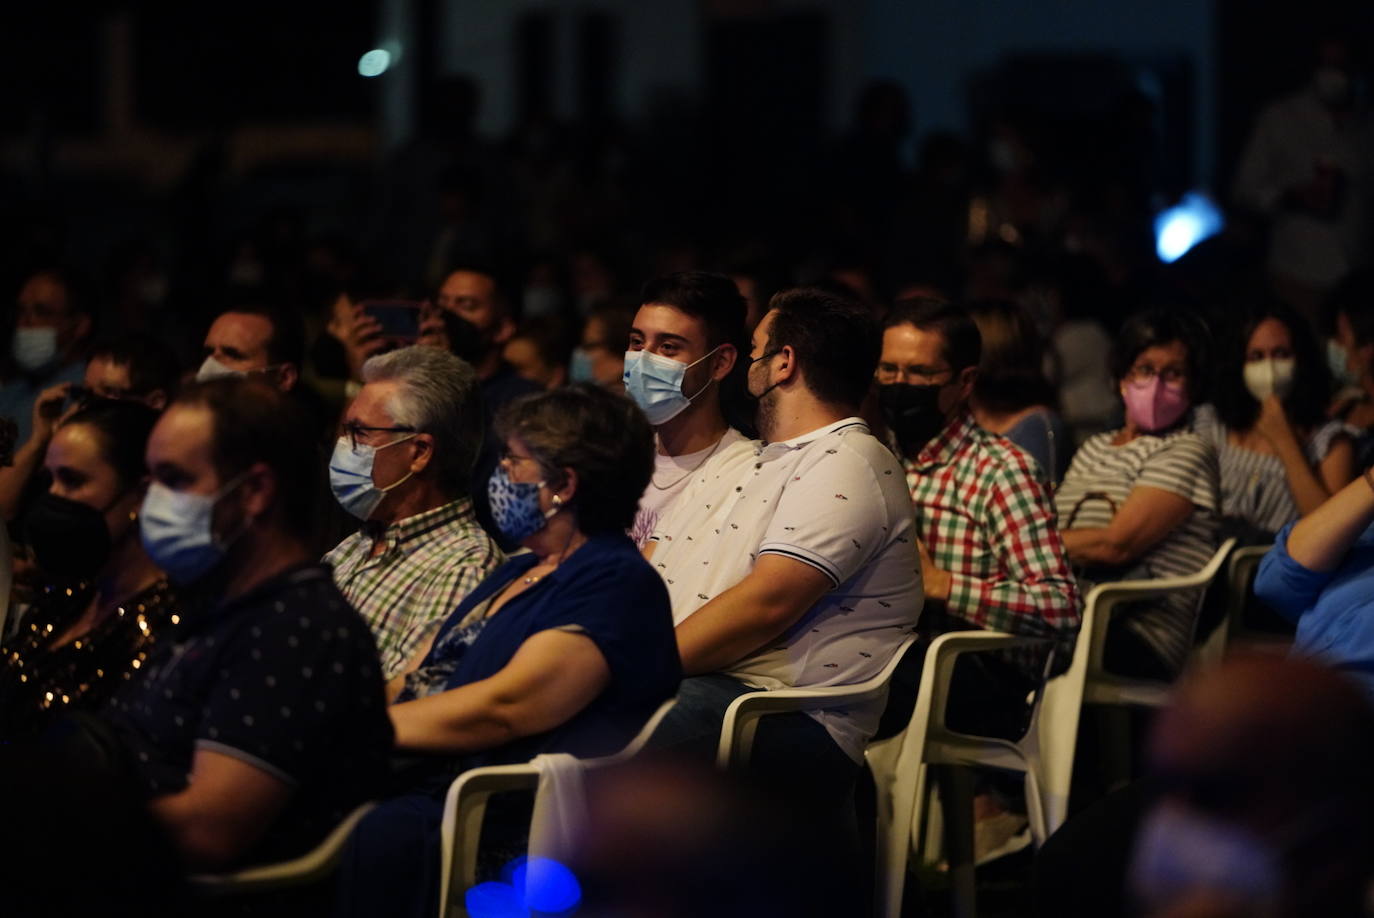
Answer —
506 499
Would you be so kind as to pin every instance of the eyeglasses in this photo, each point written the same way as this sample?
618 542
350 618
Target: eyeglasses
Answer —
1145 372
887 374
353 429
508 456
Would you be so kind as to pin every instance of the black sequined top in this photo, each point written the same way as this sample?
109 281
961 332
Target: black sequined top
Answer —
38 680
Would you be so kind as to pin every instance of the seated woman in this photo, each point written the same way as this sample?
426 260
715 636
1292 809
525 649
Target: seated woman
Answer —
1012 397
1141 502
568 647
1350 356
1320 576
1279 456
102 603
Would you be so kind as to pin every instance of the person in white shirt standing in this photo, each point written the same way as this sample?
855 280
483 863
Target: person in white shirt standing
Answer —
799 567
684 348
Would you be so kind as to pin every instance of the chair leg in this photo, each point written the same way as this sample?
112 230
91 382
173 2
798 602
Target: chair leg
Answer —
1115 721
956 787
894 844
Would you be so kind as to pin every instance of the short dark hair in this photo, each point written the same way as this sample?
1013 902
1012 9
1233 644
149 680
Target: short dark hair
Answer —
253 422
836 340
122 428
1156 326
1305 404
286 344
952 322
1011 368
152 365
601 436
711 298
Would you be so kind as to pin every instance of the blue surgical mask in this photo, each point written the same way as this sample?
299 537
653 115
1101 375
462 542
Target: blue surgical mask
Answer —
213 369
515 506
350 476
34 348
655 384
580 367
177 532
1178 851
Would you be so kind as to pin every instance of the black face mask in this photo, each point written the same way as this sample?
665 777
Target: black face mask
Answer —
70 540
913 413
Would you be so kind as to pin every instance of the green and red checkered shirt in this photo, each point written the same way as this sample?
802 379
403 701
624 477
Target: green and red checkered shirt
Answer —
986 518
429 563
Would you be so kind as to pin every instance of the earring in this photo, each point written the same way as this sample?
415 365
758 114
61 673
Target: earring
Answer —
557 501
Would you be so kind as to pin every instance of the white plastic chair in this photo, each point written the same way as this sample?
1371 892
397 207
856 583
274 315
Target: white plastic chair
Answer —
742 717
465 805
1240 576
1044 755
900 766
307 869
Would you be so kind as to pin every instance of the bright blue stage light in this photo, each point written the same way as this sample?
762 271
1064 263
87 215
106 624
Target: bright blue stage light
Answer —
1179 228
374 63
549 886
495 900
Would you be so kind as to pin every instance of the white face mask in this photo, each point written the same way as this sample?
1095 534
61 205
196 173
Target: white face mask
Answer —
1270 377
34 348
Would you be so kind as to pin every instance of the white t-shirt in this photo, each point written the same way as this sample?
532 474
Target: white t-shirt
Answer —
836 499
672 475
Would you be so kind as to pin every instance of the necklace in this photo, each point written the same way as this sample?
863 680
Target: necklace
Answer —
533 578
658 487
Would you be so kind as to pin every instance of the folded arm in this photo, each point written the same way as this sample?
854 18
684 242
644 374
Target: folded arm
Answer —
553 676
1146 518
769 600
226 808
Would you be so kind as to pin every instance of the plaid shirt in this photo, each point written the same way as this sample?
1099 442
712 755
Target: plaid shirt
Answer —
986 518
430 562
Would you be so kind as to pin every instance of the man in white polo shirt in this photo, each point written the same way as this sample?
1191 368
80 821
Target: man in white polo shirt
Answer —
798 568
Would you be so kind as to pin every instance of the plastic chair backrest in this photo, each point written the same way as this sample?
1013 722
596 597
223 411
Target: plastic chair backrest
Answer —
742 716
308 868
465 805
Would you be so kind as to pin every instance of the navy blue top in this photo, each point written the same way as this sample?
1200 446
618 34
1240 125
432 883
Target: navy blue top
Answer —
285 678
1334 610
1043 435
605 590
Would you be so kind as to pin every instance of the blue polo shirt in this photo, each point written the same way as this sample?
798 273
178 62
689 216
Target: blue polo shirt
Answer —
1334 610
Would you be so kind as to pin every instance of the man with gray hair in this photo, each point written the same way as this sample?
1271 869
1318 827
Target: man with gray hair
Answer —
403 465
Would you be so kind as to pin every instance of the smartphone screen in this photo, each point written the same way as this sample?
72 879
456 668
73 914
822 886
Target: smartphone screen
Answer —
399 319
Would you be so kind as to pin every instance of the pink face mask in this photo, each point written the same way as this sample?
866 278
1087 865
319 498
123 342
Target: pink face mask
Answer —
1155 405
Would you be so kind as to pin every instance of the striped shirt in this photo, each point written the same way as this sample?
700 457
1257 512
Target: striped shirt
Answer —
1254 486
985 516
1100 480
429 563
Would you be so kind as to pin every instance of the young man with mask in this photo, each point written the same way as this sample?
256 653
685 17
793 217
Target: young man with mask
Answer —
991 555
403 466
262 721
683 348
798 569
51 328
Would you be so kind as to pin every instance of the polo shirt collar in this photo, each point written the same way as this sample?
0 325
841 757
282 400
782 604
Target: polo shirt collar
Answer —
797 442
946 444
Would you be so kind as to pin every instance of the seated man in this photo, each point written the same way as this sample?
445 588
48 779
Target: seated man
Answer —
991 556
800 568
262 722
403 466
686 338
